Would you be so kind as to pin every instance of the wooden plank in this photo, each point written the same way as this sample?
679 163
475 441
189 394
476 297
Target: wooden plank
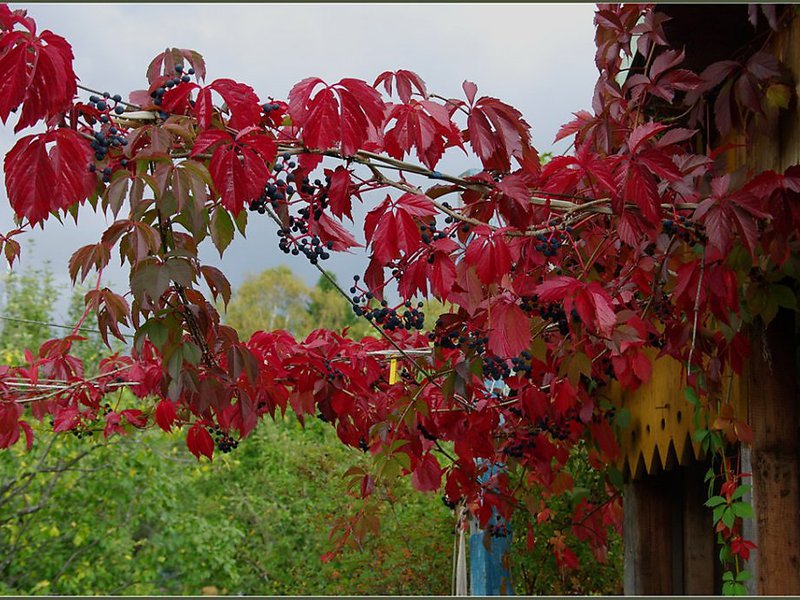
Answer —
771 377
699 554
648 542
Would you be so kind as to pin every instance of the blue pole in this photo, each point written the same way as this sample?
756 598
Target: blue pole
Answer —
489 549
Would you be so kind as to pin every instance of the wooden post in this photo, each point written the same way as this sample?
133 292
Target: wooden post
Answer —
771 380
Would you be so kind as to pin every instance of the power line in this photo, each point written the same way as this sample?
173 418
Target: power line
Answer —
58 325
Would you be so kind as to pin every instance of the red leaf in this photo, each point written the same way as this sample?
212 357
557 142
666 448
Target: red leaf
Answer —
442 275
510 331
208 139
329 230
14 69
405 80
199 441
66 419
166 414
326 121
239 174
36 73
241 100
489 253
341 192
40 181
470 89
497 132
427 476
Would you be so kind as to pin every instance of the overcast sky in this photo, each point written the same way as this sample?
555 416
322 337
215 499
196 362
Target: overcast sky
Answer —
537 57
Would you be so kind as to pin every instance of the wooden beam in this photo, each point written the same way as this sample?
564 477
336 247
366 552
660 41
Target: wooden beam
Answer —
771 377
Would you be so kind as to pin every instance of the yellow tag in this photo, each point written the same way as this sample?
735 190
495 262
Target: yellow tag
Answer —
393 371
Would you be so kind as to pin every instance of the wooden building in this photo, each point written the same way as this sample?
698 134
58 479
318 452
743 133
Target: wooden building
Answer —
668 533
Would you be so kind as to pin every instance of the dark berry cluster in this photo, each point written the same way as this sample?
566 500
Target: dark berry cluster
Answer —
309 245
391 318
430 233
104 140
529 303
689 232
556 314
224 442
558 430
474 340
662 307
332 372
550 244
268 108
103 104
495 368
522 363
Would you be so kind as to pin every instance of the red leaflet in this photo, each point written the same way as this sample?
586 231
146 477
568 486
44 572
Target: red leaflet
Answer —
509 332
40 180
164 64
423 126
240 99
724 211
391 226
497 132
590 300
341 193
489 254
404 80
166 414
238 168
427 476
442 273
326 121
329 230
199 441
35 72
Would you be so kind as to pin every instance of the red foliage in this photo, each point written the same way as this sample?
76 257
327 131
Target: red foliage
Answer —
559 276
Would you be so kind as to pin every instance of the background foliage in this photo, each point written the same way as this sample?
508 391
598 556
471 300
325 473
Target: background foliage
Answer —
155 521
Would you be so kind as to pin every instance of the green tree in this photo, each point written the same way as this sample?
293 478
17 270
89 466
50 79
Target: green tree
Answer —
274 299
28 300
328 309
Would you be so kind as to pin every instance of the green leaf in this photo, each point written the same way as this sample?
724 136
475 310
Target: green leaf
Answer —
728 518
741 491
743 510
221 229
241 222
690 395
192 353
783 296
715 501
743 576
622 418
778 95
615 476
